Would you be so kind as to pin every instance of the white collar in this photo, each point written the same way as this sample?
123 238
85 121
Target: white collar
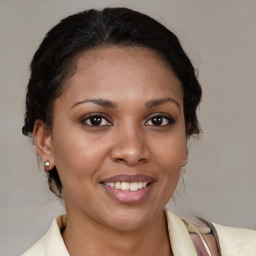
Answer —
179 236
52 244
233 241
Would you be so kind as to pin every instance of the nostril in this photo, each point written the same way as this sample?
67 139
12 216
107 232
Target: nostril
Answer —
130 155
130 161
119 159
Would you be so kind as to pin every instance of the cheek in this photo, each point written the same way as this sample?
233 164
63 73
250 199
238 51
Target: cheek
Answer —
171 153
169 158
76 157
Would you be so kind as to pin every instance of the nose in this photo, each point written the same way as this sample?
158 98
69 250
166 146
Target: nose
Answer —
130 147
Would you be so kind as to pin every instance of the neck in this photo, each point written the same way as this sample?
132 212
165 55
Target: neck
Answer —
90 238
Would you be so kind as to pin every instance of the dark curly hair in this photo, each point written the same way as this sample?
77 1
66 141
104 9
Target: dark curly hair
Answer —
55 61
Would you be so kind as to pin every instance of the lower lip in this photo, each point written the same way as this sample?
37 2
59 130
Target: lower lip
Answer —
128 197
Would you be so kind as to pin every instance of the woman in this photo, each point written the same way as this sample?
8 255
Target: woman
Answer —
111 104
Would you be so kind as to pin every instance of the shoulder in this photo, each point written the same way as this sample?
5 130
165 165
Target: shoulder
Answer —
230 241
51 243
235 241
39 248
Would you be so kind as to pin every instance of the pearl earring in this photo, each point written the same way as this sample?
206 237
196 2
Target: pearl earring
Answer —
46 165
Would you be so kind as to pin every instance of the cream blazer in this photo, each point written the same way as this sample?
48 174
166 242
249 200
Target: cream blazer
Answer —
232 241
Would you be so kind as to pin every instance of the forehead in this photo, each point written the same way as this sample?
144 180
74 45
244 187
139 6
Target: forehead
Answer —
123 72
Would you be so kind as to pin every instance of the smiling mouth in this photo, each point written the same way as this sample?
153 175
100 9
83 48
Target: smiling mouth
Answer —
128 188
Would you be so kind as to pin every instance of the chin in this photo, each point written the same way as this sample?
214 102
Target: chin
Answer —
130 218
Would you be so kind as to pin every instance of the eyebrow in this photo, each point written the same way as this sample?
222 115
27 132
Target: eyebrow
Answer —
158 102
100 102
110 104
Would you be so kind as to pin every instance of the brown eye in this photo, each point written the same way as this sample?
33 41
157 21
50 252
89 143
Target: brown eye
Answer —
96 121
160 120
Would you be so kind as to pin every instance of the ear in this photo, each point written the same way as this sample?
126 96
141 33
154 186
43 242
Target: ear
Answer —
43 141
185 159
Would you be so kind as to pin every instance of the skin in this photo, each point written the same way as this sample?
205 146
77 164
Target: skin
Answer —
126 142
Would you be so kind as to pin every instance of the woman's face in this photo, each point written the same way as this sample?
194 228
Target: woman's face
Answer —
118 138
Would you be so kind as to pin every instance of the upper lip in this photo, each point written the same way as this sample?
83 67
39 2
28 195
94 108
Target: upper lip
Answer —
128 178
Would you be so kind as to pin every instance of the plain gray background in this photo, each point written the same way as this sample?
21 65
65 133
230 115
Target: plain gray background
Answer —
220 38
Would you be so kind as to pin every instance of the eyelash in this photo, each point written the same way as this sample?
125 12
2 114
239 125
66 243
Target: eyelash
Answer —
169 120
96 115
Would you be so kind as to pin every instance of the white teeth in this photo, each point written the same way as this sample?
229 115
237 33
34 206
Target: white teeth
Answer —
134 186
117 185
126 186
140 185
111 184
